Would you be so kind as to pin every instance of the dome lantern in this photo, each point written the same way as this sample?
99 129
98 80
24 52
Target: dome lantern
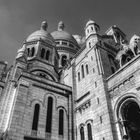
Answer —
61 26
91 28
41 34
44 26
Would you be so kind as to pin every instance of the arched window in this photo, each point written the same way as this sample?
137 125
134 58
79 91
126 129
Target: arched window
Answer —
92 28
82 69
32 52
78 76
35 117
47 55
89 44
63 60
89 129
49 115
61 122
87 71
82 133
42 53
28 51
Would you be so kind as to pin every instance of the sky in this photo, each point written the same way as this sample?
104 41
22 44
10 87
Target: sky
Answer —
19 18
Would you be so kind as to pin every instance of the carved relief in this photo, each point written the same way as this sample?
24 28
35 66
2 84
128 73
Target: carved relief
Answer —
128 51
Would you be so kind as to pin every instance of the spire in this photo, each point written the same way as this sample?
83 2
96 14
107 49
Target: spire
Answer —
61 26
44 25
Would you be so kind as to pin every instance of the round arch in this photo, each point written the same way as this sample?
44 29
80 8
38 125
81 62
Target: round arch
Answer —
47 72
127 113
45 101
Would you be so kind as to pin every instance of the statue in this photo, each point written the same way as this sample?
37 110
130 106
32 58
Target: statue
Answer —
133 44
128 51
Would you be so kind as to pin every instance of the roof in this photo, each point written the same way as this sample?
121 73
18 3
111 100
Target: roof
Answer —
40 34
63 35
60 34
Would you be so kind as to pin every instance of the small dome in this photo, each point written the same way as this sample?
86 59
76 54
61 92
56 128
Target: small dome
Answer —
90 22
60 34
40 34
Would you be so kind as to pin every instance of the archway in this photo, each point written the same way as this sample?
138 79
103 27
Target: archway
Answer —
130 119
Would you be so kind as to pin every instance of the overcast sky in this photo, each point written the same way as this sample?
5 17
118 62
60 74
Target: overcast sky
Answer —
19 18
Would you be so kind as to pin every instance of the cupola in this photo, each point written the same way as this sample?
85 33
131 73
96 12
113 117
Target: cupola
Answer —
91 28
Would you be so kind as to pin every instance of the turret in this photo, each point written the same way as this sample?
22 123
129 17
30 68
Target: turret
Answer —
91 28
91 33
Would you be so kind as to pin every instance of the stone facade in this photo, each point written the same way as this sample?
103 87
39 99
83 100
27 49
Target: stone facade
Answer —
67 87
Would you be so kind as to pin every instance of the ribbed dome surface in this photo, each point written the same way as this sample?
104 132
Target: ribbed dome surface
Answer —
40 34
60 34
63 35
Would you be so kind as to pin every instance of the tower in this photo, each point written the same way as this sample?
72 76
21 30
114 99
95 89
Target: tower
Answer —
92 112
92 33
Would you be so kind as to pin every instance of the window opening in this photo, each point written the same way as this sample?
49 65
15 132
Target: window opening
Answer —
42 53
61 122
49 115
47 55
36 117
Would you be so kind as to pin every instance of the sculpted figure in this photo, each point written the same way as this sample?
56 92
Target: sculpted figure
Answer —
133 44
123 50
128 51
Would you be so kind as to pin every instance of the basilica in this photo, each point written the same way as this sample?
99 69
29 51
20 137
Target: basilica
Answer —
71 87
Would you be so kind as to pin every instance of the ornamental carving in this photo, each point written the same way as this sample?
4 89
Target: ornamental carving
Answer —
83 107
128 50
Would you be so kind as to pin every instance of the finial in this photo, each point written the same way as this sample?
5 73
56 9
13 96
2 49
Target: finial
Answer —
44 25
61 26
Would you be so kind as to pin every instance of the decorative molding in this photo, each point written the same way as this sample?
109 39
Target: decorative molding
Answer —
124 86
81 98
67 49
83 107
24 83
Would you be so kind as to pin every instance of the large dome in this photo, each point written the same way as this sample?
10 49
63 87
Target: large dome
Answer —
60 34
40 34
